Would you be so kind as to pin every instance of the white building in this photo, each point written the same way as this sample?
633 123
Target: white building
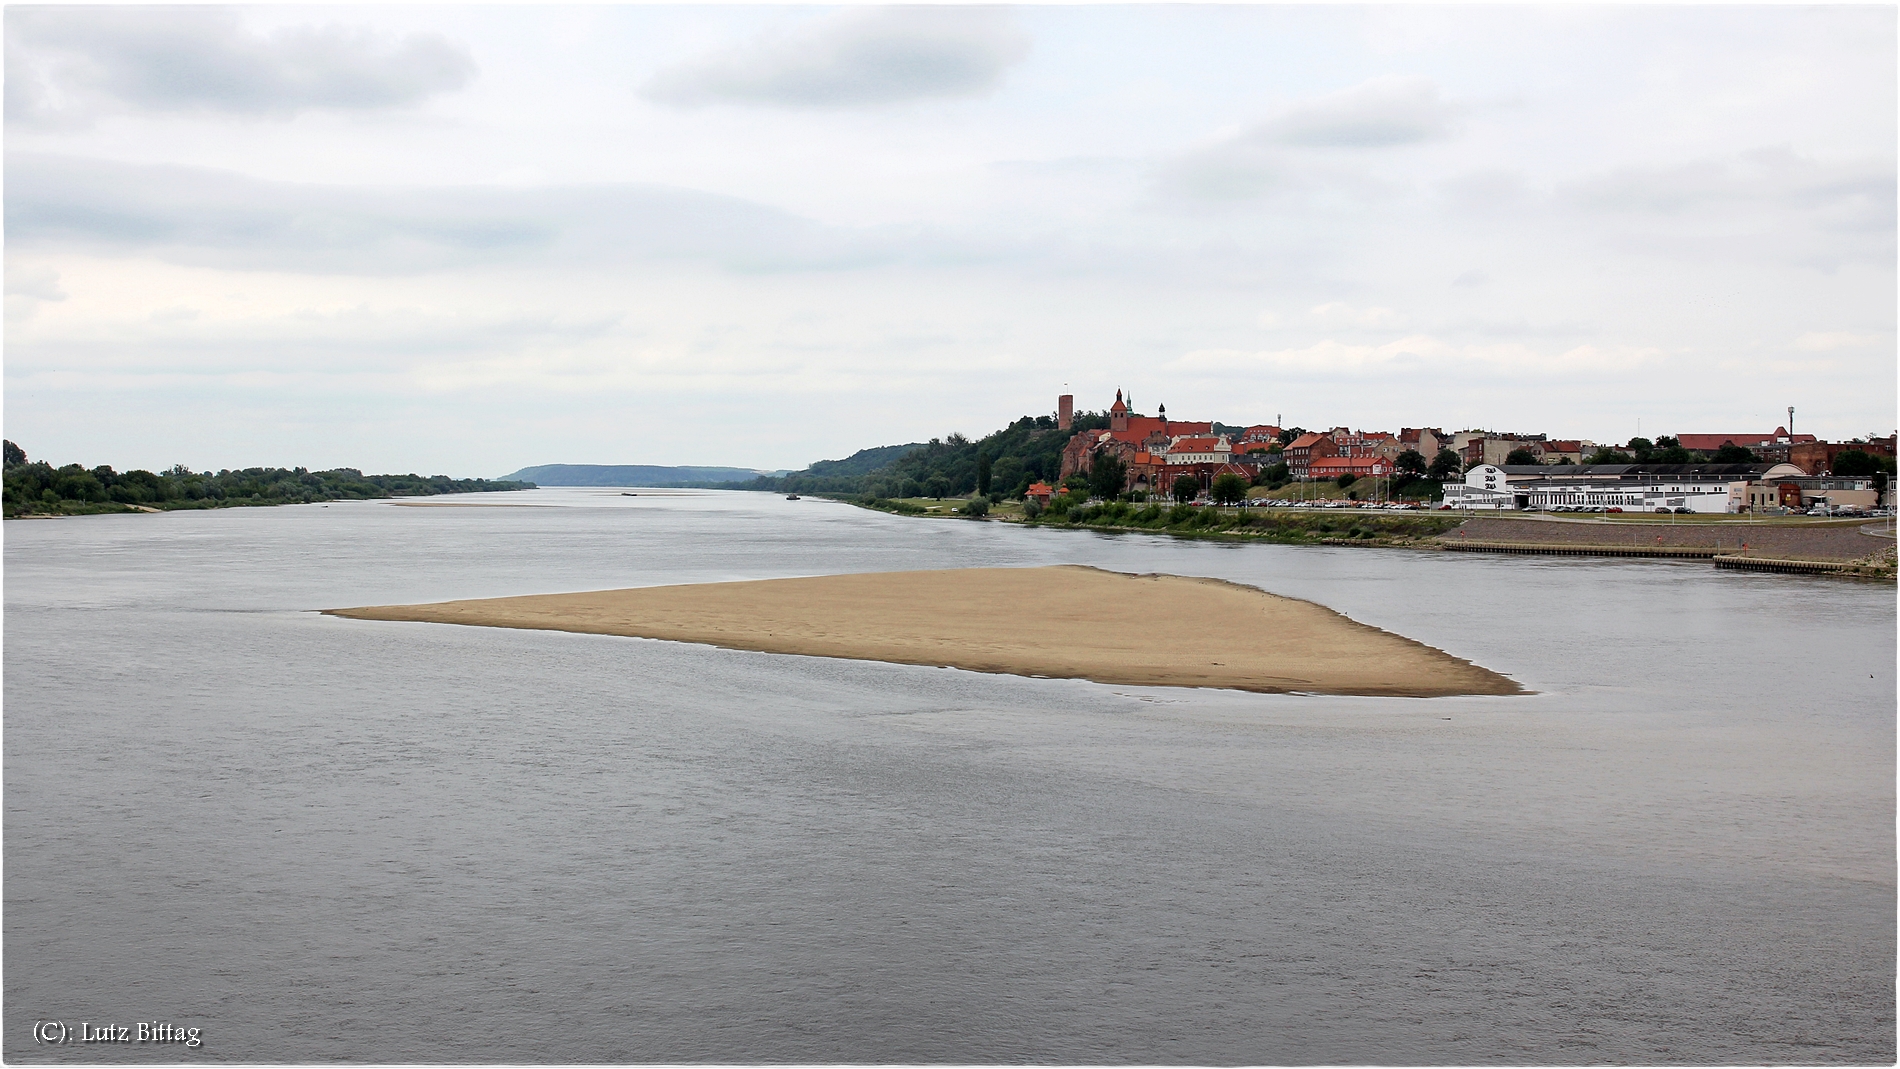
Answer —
1199 450
1708 488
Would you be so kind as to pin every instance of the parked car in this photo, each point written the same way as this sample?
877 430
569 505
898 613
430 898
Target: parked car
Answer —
1614 508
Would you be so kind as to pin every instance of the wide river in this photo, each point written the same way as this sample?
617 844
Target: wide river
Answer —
318 839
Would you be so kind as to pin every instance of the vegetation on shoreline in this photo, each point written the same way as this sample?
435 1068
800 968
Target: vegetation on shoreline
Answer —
39 489
1271 525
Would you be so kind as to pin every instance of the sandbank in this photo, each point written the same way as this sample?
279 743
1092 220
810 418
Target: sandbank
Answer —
1067 622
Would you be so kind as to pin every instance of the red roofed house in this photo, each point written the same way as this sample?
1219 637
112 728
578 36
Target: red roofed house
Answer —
1305 449
1127 435
1040 493
1426 440
1257 438
1553 452
1334 467
1199 450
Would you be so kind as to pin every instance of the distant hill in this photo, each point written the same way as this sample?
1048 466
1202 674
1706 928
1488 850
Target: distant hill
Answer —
863 461
634 475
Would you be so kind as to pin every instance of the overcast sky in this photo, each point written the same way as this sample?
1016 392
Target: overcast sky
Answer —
464 240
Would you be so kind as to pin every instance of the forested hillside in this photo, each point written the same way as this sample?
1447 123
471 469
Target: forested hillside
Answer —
38 488
1026 450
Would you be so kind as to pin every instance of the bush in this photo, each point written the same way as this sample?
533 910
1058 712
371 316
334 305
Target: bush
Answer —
1031 508
977 506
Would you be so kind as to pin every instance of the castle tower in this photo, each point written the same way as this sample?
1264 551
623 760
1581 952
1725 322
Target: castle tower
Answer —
1065 411
1118 414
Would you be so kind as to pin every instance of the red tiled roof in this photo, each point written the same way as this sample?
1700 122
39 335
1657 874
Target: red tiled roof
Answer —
1196 445
1306 441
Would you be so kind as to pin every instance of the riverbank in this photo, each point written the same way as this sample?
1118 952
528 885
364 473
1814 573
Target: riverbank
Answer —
1831 542
1848 547
1065 622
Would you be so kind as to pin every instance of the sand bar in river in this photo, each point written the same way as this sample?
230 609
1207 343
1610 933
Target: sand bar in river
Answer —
1067 622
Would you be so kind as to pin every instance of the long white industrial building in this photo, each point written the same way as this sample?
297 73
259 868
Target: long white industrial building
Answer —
1630 487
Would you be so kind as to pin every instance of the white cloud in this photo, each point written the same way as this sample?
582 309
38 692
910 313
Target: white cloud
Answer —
66 64
38 282
1827 341
1341 314
1414 358
856 58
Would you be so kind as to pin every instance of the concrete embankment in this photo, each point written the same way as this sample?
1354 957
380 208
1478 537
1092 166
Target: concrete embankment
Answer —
1794 548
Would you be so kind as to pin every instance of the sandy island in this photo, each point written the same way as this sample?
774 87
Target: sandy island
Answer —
1067 622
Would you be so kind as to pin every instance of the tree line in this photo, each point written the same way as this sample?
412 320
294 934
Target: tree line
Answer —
999 465
38 488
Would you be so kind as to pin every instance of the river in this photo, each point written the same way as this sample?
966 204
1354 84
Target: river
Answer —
317 839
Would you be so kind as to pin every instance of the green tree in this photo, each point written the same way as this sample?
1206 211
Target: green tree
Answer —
1520 455
1854 463
1273 474
1411 462
983 465
978 506
1607 455
1445 465
1640 448
1031 508
1287 436
1228 489
939 486
1186 488
1730 453
1006 472
1107 476
15 456
1347 480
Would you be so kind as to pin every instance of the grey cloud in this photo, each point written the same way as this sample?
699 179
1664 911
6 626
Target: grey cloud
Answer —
1276 156
66 63
213 218
1853 194
1384 111
856 58
1820 214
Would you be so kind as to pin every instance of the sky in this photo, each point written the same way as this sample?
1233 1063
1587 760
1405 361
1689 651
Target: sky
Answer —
464 240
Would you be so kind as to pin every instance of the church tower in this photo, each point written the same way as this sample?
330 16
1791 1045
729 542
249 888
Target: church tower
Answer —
1118 414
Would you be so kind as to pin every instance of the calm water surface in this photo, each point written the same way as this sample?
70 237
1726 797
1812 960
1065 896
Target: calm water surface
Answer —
330 840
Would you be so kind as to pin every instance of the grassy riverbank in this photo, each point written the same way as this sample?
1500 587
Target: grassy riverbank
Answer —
1288 526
